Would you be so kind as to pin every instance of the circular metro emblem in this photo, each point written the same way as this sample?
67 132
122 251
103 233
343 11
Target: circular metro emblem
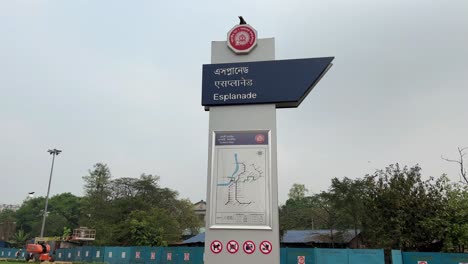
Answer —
242 38
260 138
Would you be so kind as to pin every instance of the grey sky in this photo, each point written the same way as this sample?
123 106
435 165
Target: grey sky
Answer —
119 82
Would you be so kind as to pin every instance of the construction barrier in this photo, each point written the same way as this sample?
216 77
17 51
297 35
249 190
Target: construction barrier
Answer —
433 258
194 255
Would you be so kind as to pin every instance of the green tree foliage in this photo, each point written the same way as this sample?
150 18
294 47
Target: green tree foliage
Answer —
7 224
63 210
347 199
124 211
97 210
121 210
19 238
297 192
155 227
456 235
402 209
300 211
393 208
29 215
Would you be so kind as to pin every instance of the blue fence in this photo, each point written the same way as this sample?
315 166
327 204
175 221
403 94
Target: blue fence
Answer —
194 255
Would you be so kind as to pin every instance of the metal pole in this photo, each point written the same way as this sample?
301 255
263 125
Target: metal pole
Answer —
53 152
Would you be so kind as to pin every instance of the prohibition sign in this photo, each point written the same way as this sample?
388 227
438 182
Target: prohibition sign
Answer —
300 259
266 247
216 246
232 246
249 247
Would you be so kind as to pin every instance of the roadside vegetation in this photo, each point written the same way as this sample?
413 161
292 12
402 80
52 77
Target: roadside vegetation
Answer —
124 211
393 208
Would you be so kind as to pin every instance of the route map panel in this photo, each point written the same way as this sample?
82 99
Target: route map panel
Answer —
241 178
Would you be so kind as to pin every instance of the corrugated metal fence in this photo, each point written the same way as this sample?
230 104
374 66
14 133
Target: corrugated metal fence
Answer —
189 255
399 257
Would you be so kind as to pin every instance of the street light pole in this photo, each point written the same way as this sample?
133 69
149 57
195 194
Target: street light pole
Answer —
53 152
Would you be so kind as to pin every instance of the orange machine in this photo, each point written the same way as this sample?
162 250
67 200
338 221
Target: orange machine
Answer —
38 252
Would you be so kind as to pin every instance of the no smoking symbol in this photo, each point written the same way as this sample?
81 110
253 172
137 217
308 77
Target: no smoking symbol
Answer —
249 247
216 246
232 246
265 247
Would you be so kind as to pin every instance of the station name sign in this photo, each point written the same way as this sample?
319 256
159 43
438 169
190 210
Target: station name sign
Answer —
282 82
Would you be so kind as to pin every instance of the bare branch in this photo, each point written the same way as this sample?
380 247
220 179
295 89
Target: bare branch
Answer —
461 152
449 160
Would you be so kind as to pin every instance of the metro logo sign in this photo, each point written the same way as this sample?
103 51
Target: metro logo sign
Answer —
242 39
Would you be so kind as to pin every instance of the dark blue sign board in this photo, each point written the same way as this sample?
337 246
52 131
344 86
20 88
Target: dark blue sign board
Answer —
282 82
235 138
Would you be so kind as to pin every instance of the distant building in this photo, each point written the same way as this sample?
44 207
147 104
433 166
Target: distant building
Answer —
12 207
200 209
323 238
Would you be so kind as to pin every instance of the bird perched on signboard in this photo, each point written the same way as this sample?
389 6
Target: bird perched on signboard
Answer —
242 21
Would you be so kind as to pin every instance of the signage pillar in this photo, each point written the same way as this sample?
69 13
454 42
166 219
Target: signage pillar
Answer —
242 89
242 188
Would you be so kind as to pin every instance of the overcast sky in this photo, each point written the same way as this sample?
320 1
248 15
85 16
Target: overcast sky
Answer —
119 82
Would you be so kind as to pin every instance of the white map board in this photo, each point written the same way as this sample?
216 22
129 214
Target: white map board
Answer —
240 180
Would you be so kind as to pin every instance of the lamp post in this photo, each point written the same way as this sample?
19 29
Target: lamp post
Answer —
53 152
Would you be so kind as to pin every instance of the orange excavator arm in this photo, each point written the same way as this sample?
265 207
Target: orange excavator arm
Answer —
38 248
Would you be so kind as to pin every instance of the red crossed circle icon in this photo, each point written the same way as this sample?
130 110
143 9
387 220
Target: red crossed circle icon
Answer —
232 246
265 247
216 246
249 247
300 259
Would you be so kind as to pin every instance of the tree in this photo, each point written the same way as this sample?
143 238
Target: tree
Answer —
155 227
64 211
97 182
348 198
301 212
456 235
29 215
460 161
297 191
97 210
121 209
19 238
186 217
7 224
403 211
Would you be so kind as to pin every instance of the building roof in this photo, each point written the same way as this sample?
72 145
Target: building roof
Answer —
318 236
300 236
200 238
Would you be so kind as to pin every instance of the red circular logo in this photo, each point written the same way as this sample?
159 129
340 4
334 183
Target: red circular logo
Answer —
260 138
242 38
